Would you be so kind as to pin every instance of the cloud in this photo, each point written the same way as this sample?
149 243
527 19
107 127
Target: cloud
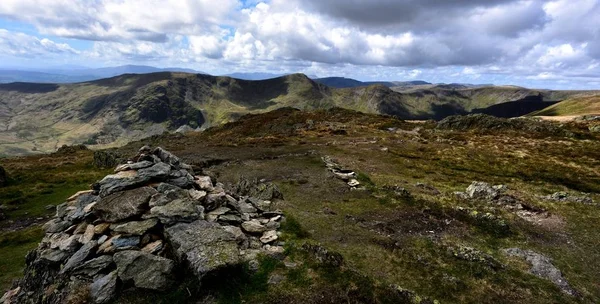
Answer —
495 40
117 20
23 45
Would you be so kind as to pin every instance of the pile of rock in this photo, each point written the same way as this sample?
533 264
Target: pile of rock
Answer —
346 175
138 227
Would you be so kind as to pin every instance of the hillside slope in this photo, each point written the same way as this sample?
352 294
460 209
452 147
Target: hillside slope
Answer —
572 107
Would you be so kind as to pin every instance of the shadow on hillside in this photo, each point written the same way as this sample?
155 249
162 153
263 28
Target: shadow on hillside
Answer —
517 108
31 88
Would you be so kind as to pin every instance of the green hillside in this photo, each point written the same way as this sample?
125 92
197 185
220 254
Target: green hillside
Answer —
572 107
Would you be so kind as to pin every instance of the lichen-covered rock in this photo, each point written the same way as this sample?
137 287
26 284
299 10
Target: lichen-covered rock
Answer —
145 270
123 205
205 246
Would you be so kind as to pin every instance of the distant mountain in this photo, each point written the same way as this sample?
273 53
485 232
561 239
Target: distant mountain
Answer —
341 82
113 111
72 75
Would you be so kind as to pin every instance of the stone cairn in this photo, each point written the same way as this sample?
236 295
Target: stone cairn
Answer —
138 227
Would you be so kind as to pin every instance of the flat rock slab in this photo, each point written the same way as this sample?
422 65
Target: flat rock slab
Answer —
206 246
123 205
144 269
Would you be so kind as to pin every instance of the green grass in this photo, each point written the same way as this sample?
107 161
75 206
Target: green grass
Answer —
13 248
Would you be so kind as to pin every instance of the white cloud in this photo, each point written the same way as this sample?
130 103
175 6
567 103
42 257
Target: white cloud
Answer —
23 45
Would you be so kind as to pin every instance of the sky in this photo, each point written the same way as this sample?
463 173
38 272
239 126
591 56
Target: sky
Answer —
538 44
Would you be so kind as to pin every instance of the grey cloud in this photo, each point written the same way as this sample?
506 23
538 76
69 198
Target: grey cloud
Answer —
401 14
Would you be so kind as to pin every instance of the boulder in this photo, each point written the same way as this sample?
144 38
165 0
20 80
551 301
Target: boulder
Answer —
179 210
145 270
104 289
134 227
123 205
205 246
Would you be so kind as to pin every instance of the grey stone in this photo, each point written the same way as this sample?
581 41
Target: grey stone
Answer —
204 183
253 226
214 214
135 227
197 195
125 242
53 255
243 207
158 171
167 157
158 199
230 218
541 266
123 205
81 206
215 200
61 210
183 182
134 166
204 245
79 256
144 269
121 181
104 289
56 225
481 190
179 210
94 266
269 236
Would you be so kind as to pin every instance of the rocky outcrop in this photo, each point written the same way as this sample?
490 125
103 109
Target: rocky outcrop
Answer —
487 123
541 266
143 227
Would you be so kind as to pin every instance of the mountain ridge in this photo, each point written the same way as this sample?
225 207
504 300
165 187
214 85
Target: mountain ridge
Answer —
112 111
